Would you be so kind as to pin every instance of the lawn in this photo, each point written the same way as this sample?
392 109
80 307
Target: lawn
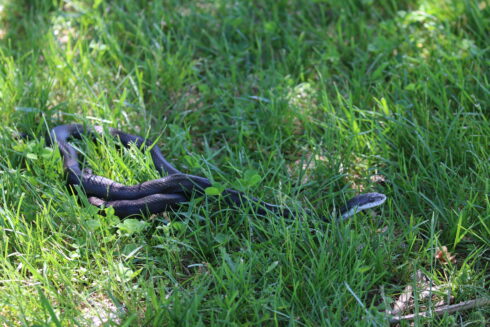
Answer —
300 103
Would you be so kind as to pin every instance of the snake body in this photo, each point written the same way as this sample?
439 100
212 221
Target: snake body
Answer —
161 194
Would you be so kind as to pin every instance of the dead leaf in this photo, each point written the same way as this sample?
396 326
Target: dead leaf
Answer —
444 256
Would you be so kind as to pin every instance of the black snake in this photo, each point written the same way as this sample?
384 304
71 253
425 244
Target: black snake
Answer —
161 194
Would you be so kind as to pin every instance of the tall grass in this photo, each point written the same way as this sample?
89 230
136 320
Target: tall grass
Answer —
320 99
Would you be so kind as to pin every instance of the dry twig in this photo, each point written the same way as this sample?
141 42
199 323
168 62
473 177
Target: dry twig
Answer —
444 309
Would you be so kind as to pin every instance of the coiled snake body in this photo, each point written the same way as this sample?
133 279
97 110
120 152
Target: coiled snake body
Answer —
164 193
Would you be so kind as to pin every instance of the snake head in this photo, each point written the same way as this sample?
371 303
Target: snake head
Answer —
362 202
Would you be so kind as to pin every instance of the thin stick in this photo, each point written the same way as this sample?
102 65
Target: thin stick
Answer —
443 309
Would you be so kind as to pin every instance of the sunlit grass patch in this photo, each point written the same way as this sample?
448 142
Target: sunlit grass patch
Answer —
300 103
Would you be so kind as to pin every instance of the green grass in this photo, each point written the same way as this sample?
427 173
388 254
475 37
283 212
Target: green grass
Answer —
316 97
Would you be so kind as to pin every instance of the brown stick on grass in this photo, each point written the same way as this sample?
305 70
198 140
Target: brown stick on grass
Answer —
443 309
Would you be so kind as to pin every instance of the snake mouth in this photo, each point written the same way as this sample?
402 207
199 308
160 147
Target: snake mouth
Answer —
362 202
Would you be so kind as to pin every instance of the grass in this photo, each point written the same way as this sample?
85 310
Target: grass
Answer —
320 99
